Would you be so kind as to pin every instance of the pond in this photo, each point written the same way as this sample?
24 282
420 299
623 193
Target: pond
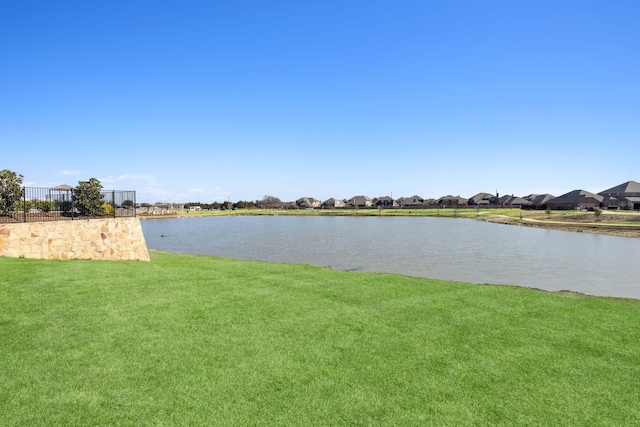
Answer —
439 248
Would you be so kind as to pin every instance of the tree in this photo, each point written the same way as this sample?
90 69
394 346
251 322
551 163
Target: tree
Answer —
127 204
88 198
10 190
269 202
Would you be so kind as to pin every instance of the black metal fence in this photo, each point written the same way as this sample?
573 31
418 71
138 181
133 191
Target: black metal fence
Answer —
58 204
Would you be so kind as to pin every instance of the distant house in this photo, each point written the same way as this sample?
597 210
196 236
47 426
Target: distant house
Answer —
452 201
513 201
62 195
538 201
616 202
359 202
384 202
576 199
623 196
333 204
482 199
502 200
307 203
411 202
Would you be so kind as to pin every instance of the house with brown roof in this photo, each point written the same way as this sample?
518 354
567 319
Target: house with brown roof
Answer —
576 199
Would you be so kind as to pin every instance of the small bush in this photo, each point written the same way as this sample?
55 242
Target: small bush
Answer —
598 213
45 206
108 210
24 206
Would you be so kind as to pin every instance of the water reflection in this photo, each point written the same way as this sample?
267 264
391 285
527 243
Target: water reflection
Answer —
441 248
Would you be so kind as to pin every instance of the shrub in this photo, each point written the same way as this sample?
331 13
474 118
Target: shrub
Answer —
10 191
598 213
64 206
45 205
24 206
88 198
107 209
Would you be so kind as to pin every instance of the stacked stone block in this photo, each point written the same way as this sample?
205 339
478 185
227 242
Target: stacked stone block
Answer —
110 238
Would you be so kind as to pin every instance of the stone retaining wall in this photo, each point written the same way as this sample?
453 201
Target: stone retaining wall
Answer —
110 238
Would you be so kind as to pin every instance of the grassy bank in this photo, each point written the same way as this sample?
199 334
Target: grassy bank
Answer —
444 212
194 340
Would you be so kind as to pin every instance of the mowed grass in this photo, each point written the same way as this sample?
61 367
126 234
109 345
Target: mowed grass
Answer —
435 212
195 340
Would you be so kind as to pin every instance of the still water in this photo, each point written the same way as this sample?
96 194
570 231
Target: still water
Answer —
440 248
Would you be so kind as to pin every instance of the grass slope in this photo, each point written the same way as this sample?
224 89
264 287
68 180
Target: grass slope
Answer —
195 340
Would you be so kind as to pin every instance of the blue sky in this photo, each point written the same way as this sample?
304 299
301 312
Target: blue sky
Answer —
214 100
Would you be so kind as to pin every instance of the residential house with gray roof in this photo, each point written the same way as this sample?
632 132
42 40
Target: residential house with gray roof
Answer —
617 202
538 201
623 196
307 203
384 202
411 202
576 199
452 201
359 202
513 201
482 199
334 204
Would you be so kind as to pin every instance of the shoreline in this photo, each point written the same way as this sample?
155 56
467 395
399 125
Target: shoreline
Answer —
615 224
612 229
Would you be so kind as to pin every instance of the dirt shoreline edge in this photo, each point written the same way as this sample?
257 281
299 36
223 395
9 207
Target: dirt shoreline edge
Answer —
593 228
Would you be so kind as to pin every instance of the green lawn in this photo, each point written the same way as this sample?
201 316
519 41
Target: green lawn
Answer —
195 340
443 212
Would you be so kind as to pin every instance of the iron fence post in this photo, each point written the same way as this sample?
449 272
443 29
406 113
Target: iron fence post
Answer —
24 204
